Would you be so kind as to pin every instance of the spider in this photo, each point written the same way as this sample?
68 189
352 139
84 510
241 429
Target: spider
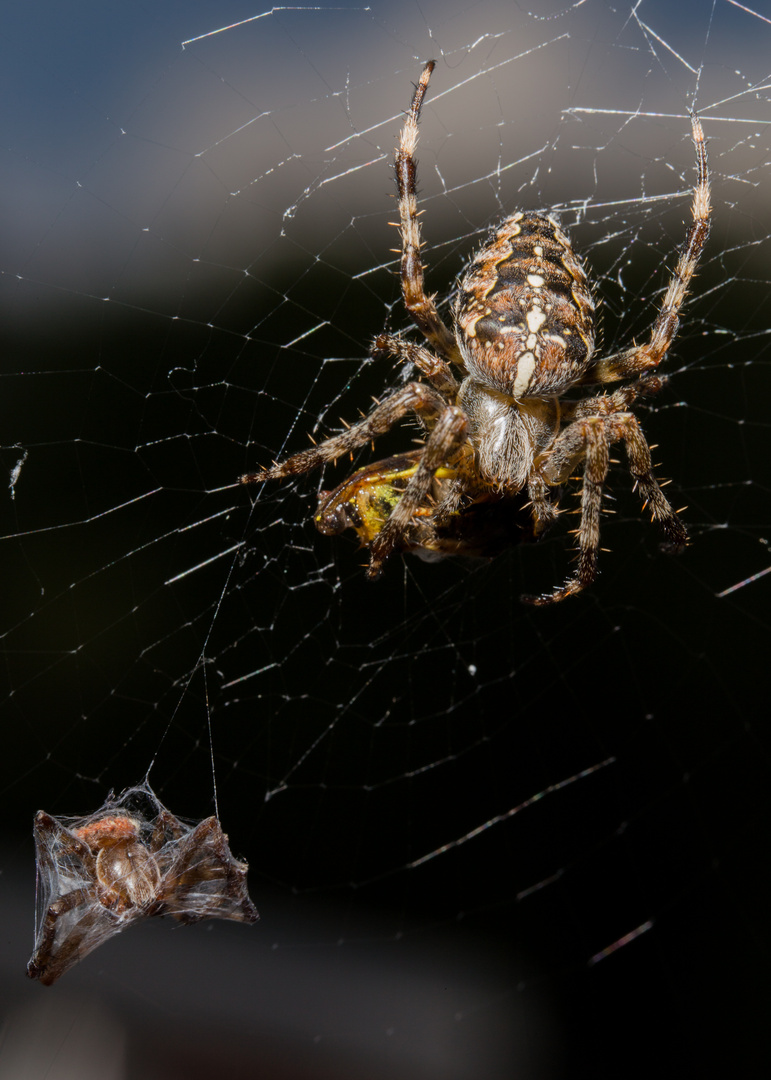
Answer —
500 440
131 860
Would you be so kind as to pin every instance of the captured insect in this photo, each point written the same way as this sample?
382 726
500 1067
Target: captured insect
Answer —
97 875
500 440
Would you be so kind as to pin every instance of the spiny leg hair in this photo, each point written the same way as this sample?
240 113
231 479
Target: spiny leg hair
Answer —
640 358
421 307
438 372
415 397
590 439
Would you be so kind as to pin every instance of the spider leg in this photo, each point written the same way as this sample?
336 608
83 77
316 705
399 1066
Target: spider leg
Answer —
641 358
626 427
448 434
192 864
414 397
421 307
42 966
50 836
620 400
166 828
204 856
543 510
437 372
51 839
591 439
587 439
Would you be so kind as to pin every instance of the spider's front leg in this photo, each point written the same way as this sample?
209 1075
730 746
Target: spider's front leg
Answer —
421 306
414 397
590 439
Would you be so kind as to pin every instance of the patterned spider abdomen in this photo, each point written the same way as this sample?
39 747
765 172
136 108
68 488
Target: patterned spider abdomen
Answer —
524 313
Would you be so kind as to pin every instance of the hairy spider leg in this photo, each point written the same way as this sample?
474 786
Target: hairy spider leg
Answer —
590 439
640 358
414 397
420 306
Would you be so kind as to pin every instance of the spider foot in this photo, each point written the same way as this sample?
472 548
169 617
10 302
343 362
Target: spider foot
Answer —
676 535
36 971
278 472
585 574
253 477
570 588
375 568
647 385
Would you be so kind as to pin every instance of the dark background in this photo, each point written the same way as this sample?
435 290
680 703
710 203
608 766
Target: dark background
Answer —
195 257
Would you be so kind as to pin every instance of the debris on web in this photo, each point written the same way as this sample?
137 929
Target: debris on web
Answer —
130 860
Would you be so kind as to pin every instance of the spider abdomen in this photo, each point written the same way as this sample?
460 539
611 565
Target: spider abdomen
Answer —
525 314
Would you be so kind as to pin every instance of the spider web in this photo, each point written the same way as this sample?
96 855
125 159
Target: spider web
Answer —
508 839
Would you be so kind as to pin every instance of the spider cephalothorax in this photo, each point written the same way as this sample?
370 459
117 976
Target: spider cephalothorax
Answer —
500 438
